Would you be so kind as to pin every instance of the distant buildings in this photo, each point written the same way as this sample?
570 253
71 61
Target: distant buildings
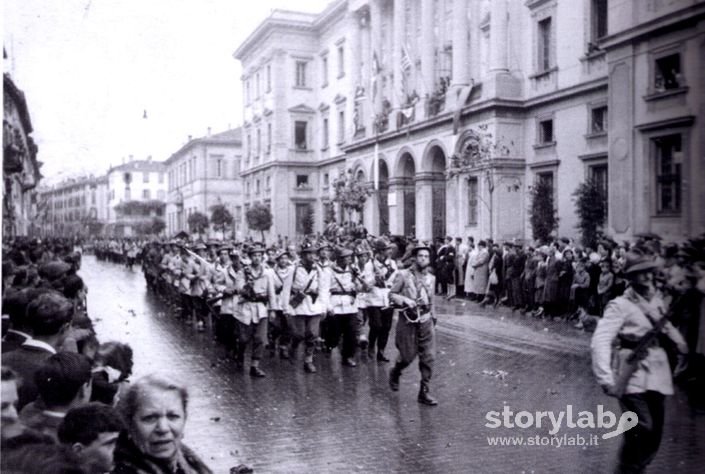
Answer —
74 207
203 173
20 168
136 196
568 90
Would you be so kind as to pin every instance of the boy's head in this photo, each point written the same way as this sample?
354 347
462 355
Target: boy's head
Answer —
49 314
64 379
91 431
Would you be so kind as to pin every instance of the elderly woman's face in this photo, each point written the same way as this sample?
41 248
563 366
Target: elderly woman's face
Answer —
158 425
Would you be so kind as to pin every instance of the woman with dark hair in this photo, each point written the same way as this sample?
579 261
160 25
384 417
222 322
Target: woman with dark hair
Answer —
154 409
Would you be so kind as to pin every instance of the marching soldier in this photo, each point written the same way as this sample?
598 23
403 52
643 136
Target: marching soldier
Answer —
305 298
200 285
255 285
345 283
379 273
362 255
626 320
229 299
185 272
412 291
279 337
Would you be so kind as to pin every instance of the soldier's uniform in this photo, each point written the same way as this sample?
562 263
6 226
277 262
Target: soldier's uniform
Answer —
279 332
342 309
310 284
416 334
229 305
379 276
626 320
257 297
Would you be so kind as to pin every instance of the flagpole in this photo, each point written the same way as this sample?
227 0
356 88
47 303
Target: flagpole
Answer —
375 164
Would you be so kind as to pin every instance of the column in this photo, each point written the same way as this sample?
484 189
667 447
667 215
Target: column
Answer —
399 30
396 206
424 206
427 43
461 76
375 48
355 49
498 36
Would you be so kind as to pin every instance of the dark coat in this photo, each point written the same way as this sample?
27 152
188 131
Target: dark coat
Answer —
12 341
130 460
25 361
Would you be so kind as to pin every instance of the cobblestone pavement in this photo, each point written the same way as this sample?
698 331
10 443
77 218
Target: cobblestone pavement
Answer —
347 420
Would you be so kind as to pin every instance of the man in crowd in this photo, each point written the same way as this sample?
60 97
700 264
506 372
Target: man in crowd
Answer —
49 318
91 431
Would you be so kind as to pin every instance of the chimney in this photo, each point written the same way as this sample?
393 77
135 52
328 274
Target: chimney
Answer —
149 158
132 158
190 137
209 132
123 160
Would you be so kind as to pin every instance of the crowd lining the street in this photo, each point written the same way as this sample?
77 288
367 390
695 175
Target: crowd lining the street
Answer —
67 398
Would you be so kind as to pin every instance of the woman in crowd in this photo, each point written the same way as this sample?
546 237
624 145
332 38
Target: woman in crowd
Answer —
154 409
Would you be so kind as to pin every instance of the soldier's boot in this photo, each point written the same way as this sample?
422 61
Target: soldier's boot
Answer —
394 376
424 397
255 371
308 365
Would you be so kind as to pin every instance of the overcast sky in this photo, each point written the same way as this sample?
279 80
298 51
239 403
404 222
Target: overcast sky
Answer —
91 69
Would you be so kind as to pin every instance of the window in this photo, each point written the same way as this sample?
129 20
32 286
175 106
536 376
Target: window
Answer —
145 177
546 132
546 177
93 197
599 19
341 61
598 174
300 73
302 181
669 158
161 195
324 71
128 195
247 91
302 211
598 119
257 186
341 126
325 132
259 143
544 45
269 138
249 145
257 86
472 200
326 180
161 178
268 183
269 78
668 73
145 194
219 168
300 135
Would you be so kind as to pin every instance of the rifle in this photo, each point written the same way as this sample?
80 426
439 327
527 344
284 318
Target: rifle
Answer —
639 353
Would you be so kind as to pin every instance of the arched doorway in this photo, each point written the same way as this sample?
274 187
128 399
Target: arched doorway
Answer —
438 196
407 170
383 197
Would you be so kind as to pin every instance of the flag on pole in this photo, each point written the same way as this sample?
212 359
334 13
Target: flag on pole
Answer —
375 74
405 59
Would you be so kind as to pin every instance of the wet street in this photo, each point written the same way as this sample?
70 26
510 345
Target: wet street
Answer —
347 420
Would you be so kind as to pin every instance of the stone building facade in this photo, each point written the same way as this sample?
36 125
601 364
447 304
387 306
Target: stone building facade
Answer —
402 91
136 194
74 207
203 173
20 167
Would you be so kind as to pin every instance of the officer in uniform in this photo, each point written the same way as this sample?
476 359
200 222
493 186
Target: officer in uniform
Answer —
306 299
626 320
412 292
379 273
345 283
362 255
255 284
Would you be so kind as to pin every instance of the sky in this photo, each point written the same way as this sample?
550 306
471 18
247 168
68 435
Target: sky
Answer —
92 70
